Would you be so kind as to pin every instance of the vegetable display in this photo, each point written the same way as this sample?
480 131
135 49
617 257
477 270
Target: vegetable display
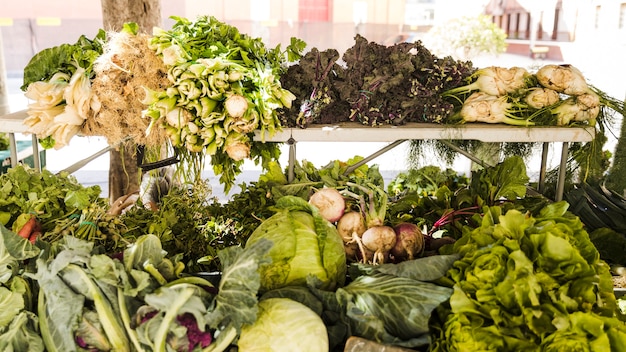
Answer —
434 261
481 239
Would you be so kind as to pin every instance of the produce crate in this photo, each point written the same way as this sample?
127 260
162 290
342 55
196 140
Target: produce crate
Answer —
24 155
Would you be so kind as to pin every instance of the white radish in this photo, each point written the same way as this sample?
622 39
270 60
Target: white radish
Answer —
351 227
380 240
329 202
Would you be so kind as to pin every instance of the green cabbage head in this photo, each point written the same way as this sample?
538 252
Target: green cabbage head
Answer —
283 324
304 244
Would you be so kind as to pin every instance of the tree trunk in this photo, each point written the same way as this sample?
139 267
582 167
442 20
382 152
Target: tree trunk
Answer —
124 175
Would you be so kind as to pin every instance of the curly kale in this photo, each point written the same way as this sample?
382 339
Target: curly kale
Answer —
398 84
312 82
374 85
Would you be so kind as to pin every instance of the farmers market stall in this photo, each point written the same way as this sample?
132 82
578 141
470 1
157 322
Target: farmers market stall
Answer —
308 258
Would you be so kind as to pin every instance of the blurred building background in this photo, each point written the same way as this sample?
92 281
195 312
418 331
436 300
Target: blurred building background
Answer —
28 26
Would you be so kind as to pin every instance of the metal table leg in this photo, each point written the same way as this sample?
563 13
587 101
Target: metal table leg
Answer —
542 172
13 149
560 186
36 160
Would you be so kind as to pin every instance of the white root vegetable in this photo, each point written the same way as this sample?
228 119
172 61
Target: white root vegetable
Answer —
380 240
329 202
351 227
563 79
539 98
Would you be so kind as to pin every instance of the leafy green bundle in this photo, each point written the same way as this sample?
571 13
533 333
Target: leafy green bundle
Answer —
224 85
65 58
51 197
379 84
528 282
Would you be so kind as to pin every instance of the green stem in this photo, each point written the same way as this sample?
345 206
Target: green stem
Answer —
110 324
121 300
172 312
44 327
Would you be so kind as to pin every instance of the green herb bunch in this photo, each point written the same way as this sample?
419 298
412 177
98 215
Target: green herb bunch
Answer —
49 196
224 86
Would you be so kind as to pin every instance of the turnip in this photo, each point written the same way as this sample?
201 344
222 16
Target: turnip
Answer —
378 237
380 240
409 242
329 202
351 227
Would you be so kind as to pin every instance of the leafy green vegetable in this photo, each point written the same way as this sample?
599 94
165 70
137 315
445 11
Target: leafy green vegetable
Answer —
13 249
507 180
64 58
51 197
284 324
374 84
304 244
22 334
390 303
236 300
526 280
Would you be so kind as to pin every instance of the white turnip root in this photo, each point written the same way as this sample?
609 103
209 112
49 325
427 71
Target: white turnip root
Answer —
329 202
380 240
351 227
351 224
409 242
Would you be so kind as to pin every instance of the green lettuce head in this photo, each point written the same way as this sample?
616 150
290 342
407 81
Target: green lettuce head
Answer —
304 244
582 331
283 324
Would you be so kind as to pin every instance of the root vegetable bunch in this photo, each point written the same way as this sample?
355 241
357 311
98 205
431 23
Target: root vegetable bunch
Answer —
554 95
366 227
